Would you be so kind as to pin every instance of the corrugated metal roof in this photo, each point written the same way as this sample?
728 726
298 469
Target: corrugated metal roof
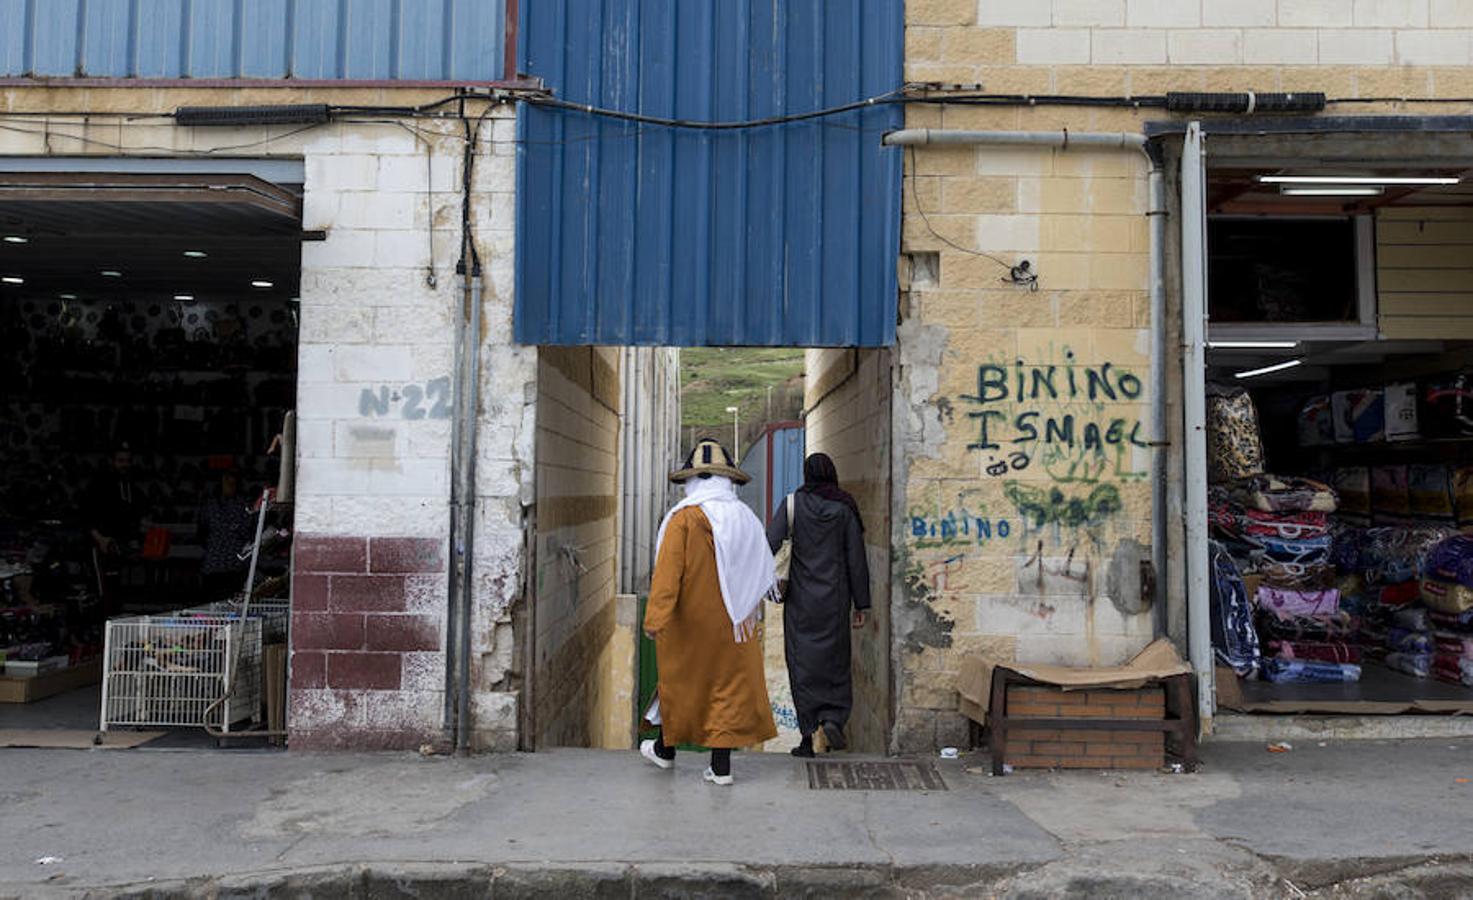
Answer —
782 236
361 40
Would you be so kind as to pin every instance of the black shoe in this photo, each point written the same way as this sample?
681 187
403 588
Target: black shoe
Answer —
803 750
834 735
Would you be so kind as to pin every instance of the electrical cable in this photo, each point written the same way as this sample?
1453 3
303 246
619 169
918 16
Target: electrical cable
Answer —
890 97
916 196
52 134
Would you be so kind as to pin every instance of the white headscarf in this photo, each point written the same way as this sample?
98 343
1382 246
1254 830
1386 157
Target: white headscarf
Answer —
744 562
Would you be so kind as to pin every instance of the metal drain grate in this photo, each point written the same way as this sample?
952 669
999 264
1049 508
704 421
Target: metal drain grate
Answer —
889 775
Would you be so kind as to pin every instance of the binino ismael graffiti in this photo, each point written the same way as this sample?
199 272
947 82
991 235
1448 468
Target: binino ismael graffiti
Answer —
955 529
1059 417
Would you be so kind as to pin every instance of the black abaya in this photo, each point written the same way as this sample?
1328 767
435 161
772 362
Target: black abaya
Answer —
827 577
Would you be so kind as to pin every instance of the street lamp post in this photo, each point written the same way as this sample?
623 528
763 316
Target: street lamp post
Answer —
736 436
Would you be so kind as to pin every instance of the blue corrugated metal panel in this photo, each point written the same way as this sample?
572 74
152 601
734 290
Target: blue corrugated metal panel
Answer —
429 40
782 236
787 463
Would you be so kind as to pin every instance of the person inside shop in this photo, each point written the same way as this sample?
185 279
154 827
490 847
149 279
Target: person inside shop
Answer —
225 525
113 507
827 594
112 513
712 572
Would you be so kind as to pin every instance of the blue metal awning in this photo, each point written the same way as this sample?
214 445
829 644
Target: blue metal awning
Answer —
783 235
330 40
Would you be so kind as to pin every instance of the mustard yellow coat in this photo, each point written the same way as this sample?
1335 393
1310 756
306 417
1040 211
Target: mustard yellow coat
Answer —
712 689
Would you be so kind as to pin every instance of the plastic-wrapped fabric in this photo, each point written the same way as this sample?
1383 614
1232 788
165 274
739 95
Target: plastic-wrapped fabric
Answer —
1411 618
1341 626
1395 555
1294 576
1453 669
1300 526
1447 406
1451 644
1319 651
1316 422
1463 495
1286 603
1451 560
1347 552
1391 496
1447 598
1456 622
1402 640
1413 664
1401 412
1234 442
1352 486
1360 416
1296 671
1430 492
1234 640
1278 493
1309 551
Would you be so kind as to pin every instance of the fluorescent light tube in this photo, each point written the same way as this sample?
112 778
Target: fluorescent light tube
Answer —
1356 179
1252 345
1342 191
1276 367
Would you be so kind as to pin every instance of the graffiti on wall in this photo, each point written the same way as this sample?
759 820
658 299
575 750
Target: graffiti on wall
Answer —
413 402
1072 419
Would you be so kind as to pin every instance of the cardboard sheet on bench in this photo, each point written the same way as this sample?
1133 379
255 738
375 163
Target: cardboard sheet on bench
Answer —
1159 660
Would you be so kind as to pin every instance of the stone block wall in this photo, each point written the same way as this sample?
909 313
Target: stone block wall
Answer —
375 403
848 402
1023 416
578 436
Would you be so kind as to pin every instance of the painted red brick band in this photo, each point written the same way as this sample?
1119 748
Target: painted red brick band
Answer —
351 632
325 631
365 671
315 553
365 593
405 556
403 633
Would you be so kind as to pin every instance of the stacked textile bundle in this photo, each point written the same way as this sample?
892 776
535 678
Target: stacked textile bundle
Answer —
1391 562
1277 528
1447 590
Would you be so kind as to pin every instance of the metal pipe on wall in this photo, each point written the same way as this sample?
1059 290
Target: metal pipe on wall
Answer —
1161 438
472 385
1064 140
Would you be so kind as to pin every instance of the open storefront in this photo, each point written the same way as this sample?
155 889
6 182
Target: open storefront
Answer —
1337 419
149 329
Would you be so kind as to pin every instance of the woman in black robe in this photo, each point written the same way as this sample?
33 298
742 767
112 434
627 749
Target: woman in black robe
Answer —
828 578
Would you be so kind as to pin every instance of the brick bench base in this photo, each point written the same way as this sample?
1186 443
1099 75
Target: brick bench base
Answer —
1039 726
1042 748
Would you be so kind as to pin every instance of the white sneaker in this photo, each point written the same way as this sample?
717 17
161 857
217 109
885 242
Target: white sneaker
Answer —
647 750
723 780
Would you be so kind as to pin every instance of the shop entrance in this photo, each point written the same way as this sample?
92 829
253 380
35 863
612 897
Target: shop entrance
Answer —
1339 426
148 338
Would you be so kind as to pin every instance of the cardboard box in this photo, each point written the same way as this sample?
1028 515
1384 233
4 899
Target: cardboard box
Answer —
29 690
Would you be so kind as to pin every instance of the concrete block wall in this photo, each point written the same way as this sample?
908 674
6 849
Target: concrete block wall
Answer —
578 435
375 405
1025 494
1349 48
372 514
848 402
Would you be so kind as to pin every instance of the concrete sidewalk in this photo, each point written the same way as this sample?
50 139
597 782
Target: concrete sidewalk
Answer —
588 823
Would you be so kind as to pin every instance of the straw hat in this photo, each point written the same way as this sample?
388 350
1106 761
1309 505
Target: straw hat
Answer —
709 458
